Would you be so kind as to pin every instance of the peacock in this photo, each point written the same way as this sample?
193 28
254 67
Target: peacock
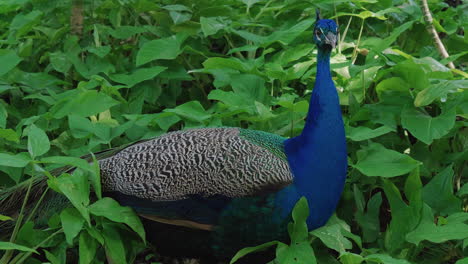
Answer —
227 188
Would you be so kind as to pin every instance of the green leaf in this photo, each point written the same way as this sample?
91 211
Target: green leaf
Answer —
7 6
5 218
125 32
180 17
435 91
88 247
110 209
283 35
96 234
250 86
392 85
236 102
38 142
414 74
386 259
75 188
462 261
51 257
455 228
211 25
379 45
60 62
165 49
243 48
296 253
85 103
332 237
300 213
364 15
351 258
9 134
166 120
95 178
23 23
264 112
405 217
192 111
80 127
365 133
29 236
287 35
180 8
293 53
376 160
229 63
445 202
3 111
361 82
11 246
463 190
101 51
114 244
248 250
250 3
425 127
19 160
72 222
9 60
369 220
138 76
70 161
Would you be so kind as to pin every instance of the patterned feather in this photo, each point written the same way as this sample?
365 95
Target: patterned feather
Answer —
202 162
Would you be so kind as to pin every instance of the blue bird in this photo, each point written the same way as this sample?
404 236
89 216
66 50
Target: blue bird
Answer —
234 186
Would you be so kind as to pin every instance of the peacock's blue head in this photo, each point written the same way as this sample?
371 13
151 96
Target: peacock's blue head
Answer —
325 33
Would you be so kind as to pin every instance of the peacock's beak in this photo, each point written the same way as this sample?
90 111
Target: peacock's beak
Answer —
330 39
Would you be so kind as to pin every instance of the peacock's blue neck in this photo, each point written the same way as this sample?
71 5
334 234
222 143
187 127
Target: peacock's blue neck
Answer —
318 156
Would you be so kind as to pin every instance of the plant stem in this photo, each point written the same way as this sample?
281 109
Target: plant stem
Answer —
262 10
37 205
232 46
22 257
197 79
358 42
344 34
7 256
430 27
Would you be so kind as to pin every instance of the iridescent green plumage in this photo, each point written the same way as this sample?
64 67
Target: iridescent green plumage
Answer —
271 142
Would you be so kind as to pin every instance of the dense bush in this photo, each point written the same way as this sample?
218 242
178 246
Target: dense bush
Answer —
83 76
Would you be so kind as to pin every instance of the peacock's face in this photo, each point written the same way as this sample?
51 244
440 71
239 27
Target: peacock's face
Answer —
326 33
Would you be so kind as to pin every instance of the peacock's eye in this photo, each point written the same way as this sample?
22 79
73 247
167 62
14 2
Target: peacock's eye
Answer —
317 33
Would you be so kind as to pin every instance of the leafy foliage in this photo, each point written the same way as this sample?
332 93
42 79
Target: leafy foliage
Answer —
135 69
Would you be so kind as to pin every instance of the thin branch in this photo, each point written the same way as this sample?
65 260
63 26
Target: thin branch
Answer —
430 27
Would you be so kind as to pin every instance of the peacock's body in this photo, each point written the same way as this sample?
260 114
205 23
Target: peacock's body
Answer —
238 186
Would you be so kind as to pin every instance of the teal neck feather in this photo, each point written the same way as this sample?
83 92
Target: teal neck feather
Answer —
318 156
271 142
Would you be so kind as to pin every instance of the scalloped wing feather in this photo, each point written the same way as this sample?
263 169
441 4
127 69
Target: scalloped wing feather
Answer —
205 162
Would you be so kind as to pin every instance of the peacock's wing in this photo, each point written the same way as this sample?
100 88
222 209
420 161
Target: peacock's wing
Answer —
187 175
